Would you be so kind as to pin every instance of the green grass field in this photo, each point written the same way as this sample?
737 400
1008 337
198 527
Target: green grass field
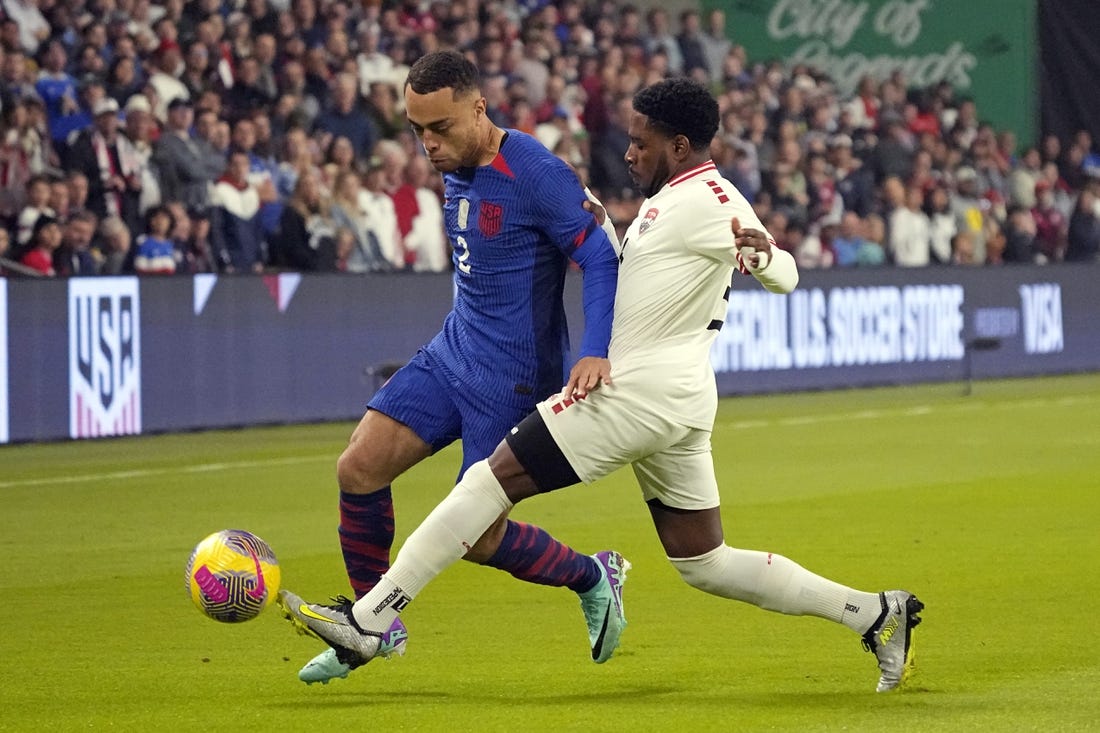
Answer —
987 506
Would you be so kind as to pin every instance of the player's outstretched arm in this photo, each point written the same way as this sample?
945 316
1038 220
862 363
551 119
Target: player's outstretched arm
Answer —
773 267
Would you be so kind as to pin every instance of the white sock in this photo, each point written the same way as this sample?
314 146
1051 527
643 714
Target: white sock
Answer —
775 583
442 538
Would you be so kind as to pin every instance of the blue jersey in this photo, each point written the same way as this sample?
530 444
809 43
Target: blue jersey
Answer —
53 89
514 224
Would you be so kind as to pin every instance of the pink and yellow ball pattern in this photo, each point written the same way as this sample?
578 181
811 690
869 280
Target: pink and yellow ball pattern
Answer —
232 576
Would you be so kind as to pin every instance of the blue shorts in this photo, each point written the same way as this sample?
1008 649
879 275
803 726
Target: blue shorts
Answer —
423 396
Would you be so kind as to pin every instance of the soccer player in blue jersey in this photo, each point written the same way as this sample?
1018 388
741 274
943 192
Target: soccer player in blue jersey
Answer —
677 261
513 213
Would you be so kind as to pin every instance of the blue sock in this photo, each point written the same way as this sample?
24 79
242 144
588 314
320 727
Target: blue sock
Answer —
366 536
530 553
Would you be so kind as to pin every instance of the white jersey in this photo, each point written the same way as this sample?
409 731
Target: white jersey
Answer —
677 261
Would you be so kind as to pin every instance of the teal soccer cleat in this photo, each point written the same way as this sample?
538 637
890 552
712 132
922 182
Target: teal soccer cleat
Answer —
603 606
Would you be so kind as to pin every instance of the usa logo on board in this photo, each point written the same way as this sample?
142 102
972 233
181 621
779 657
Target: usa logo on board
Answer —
104 357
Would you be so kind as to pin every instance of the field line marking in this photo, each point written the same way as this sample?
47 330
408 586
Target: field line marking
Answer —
910 411
148 472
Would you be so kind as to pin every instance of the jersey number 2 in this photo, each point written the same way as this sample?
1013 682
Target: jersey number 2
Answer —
463 249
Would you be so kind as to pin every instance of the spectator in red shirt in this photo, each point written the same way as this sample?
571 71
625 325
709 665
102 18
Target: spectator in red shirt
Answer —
45 239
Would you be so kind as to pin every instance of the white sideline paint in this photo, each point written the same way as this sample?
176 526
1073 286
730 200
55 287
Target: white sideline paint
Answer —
913 411
147 472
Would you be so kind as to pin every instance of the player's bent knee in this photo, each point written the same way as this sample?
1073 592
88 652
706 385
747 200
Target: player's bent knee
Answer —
355 475
702 571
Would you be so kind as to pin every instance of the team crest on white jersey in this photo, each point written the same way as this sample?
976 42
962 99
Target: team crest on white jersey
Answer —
647 221
463 212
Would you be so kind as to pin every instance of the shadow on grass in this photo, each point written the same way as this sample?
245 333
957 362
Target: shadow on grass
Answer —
639 693
639 696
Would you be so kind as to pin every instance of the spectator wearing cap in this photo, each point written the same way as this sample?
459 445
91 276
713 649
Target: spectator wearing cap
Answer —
45 239
111 164
186 172
165 79
140 129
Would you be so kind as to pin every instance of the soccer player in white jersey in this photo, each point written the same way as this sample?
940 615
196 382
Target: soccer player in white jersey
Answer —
655 412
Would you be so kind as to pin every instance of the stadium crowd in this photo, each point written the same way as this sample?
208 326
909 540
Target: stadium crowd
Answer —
244 135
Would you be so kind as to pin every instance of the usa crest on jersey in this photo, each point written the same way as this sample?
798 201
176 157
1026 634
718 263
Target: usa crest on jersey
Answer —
490 218
647 221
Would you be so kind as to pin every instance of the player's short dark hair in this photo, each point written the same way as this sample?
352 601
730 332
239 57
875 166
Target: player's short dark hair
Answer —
443 69
680 106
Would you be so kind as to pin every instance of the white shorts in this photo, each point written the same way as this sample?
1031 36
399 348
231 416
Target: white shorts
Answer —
609 429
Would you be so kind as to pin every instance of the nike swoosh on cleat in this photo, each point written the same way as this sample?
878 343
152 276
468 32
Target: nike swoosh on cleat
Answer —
307 611
598 646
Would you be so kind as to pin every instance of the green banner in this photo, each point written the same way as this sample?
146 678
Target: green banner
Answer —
984 48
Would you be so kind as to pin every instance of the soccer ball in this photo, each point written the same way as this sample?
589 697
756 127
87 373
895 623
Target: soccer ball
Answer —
232 576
